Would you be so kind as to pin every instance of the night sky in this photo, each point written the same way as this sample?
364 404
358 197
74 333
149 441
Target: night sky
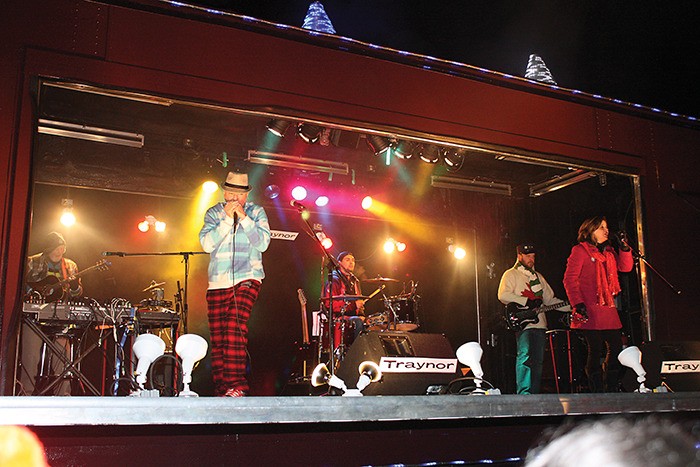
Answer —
640 52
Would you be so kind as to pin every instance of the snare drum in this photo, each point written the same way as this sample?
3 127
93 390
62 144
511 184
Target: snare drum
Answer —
378 321
405 309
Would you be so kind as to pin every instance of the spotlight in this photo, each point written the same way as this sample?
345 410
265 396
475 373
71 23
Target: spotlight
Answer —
400 247
322 201
67 216
378 144
210 186
321 376
160 226
309 133
272 191
404 149
389 246
299 193
277 127
454 159
369 373
191 348
469 354
631 357
326 241
429 153
146 348
367 202
150 221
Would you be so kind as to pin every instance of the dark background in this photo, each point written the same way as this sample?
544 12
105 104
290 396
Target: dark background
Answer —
638 52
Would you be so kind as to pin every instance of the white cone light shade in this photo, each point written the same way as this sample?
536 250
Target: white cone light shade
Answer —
146 348
469 354
369 373
631 357
319 376
191 348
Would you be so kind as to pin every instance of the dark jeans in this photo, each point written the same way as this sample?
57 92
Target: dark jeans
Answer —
602 365
528 362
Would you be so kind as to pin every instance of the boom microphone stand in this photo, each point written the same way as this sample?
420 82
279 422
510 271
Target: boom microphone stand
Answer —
332 266
185 259
637 254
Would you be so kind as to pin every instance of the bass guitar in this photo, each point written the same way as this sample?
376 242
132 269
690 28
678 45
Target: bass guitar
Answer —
518 316
52 289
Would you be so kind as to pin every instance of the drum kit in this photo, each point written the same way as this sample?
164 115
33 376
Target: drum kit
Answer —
400 313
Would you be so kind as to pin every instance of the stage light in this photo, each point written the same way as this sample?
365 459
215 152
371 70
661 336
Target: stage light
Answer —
378 144
309 133
272 191
160 226
322 201
366 202
369 373
210 186
321 376
631 357
459 253
143 226
191 348
299 193
404 149
67 215
389 246
560 181
454 159
146 348
429 153
326 241
469 354
400 247
277 127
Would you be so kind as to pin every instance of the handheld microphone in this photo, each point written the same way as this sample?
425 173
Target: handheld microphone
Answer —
235 218
113 253
296 204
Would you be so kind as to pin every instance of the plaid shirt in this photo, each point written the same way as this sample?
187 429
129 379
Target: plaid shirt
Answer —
252 239
39 267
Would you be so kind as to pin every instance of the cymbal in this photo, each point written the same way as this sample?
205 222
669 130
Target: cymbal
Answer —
154 285
379 279
347 298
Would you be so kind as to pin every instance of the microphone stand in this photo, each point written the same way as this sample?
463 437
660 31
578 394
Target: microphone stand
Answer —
333 265
637 254
185 258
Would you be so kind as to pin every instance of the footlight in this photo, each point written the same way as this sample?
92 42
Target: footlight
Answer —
191 348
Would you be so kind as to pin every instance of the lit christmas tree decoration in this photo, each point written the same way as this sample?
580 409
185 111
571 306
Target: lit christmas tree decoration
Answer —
538 71
317 20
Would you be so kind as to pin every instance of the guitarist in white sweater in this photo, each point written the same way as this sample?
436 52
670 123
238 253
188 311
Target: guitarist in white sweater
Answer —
527 288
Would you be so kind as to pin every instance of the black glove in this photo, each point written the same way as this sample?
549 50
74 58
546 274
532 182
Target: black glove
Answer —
580 313
623 240
532 304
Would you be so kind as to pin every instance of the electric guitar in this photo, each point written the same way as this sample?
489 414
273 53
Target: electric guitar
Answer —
52 289
307 352
518 316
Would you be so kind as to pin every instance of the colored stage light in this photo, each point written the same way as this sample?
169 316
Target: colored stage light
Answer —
400 247
160 226
210 186
378 144
430 153
309 133
366 202
404 149
389 246
272 191
459 253
322 201
143 226
299 193
277 127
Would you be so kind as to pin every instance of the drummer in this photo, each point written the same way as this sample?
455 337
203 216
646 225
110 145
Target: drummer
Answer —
344 283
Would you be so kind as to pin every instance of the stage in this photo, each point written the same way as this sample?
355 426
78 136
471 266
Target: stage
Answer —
309 430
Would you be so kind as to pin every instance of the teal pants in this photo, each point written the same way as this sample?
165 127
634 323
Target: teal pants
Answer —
528 362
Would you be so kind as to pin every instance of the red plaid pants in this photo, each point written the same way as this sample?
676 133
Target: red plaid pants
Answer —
228 312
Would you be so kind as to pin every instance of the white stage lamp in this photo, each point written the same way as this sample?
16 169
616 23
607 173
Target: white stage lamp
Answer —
369 373
469 354
146 348
191 348
631 357
321 376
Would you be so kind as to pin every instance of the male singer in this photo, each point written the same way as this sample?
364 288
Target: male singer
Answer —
235 233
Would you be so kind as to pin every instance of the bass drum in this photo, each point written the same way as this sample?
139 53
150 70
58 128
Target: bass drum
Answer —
377 322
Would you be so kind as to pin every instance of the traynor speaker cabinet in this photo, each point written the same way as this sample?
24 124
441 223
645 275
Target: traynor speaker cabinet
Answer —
412 364
673 364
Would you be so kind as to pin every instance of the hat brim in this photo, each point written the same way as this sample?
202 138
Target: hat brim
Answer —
235 188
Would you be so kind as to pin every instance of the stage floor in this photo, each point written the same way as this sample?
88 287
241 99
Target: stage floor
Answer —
67 411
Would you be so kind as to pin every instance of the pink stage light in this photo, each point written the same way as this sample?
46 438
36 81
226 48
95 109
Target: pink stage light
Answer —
299 193
366 202
322 201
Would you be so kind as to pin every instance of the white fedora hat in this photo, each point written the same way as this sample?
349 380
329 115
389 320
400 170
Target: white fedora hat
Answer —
236 183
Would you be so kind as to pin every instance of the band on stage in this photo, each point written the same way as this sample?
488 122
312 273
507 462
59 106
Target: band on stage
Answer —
236 234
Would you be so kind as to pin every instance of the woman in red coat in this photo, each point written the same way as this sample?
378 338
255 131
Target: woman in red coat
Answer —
591 283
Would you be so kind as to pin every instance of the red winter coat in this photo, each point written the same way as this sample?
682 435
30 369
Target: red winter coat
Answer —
580 285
